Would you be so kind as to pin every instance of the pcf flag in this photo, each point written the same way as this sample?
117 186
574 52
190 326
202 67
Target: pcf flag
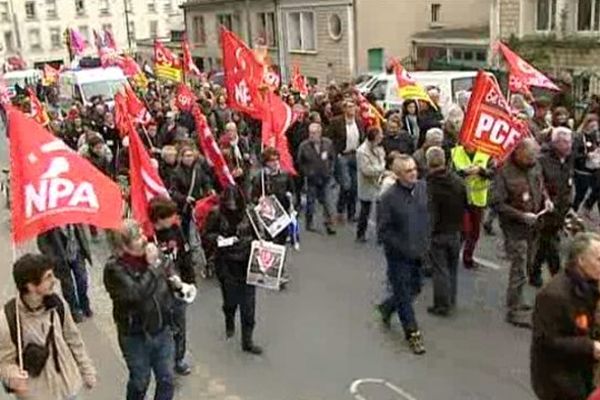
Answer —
489 125
51 185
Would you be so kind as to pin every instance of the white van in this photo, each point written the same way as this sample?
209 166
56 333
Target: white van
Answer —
22 78
385 87
84 84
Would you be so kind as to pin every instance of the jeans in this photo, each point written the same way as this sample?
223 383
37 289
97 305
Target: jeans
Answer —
445 249
347 178
243 296
404 276
471 229
521 252
73 278
363 218
179 329
145 354
583 184
318 190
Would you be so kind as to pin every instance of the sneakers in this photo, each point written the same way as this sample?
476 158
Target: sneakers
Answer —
182 368
415 342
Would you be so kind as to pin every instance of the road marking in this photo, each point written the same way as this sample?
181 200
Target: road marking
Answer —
488 264
358 396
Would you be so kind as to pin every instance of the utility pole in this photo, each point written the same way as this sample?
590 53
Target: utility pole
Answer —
127 24
249 24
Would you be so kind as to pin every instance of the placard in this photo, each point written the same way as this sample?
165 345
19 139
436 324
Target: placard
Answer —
272 215
265 265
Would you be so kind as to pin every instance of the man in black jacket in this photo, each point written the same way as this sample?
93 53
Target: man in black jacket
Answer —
565 348
316 157
172 242
69 248
137 282
447 203
403 225
557 166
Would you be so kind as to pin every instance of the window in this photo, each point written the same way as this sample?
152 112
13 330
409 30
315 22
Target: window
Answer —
167 6
51 8
481 56
4 15
34 39
301 31
85 32
8 41
335 27
151 5
545 15
30 10
435 13
153 29
226 20
131 32
104 7
198 30
266 29
55 38
588 15
80 7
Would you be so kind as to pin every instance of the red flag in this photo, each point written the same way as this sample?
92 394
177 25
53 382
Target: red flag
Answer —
38 112
145 181
185 100
243 75
51 185
188 62
128 65
523 72
202 209
489 125
121 114
299 82
277 119
109 40
136 108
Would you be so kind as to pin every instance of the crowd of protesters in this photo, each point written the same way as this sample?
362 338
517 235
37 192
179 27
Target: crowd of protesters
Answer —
431 196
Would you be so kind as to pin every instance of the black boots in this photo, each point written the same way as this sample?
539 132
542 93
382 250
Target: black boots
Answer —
248 345
229 326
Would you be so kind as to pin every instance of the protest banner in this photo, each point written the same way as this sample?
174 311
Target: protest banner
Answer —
265 265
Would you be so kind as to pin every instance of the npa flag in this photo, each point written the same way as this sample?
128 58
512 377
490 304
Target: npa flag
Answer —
38 111
522 73
166 64
188 62
489 125
408 88
299 82
109 40
277 118
51 185
76 42
243 75
185 100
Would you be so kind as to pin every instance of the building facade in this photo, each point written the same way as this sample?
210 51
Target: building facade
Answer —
35 29
556 35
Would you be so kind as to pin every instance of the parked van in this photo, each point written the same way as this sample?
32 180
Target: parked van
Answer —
385 87
85 84
22 78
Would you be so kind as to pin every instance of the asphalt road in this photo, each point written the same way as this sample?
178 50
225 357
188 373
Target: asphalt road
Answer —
321 335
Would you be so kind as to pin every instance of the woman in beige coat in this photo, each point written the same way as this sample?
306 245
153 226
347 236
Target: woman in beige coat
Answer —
370 159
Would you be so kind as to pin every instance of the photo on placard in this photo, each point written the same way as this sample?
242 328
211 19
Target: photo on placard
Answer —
265 265
272 215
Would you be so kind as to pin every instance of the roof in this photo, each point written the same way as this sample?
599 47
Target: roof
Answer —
474 35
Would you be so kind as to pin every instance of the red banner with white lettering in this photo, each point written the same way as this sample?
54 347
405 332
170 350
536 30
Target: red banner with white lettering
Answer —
489 125
522 73
277 119
243 75
51 185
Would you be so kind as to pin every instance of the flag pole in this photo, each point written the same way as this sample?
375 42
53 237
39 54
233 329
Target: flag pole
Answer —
17 316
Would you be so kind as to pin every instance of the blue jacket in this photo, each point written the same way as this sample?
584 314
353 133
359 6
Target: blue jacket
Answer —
404 221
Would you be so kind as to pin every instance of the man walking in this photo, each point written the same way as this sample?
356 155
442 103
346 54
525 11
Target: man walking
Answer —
403 226
447 203
316 156
46 326
519 197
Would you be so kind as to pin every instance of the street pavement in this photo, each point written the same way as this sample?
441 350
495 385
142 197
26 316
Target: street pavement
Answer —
321 335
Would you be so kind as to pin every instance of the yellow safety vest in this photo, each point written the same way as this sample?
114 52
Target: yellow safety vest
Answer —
477 187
